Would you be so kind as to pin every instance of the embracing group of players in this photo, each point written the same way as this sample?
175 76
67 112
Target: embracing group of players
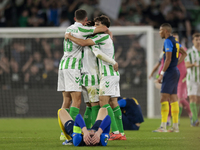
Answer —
88 67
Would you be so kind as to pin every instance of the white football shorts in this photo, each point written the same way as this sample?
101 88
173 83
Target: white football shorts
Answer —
193 88
90 93
109 86
69 80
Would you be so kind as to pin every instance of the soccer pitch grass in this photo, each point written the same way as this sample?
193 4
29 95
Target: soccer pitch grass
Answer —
44 133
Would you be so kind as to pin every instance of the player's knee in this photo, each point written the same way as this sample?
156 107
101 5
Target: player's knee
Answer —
192 98
76 103
103 110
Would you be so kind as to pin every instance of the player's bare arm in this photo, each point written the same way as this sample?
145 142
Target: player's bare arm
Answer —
100 29
166 65
155 68
183 55
104 29
81 42
189 65
115 66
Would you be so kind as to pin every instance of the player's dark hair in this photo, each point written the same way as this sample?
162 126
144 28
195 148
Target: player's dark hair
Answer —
195 35
104 20
80 14
167 26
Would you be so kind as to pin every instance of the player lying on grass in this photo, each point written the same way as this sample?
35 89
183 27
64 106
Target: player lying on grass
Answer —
77 133
131 113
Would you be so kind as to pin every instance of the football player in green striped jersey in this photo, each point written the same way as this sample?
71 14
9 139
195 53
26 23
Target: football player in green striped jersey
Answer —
192 62
69 75
109 78
90 81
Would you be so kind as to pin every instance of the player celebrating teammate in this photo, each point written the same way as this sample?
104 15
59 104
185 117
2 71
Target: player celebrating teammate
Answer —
193 77
90 80
109 79
169 78
98 135
69 75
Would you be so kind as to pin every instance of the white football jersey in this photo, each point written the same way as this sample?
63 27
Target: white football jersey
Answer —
106 46
90 68
72 51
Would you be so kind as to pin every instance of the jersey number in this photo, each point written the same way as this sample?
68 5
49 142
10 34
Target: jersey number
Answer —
177 47
68 46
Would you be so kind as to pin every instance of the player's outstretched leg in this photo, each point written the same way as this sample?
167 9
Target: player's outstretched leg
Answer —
63 116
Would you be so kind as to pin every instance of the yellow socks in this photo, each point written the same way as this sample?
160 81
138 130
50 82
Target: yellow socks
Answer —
175 111
164 113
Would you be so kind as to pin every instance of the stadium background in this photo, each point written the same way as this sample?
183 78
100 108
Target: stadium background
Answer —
28 66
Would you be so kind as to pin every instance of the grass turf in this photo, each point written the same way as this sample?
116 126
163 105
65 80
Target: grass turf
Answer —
43 134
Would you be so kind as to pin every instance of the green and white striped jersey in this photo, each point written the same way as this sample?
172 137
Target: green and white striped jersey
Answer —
90 68
106 46
72 51
193 73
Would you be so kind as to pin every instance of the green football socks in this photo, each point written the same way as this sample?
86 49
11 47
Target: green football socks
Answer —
118 117
180 111
95 110
111 114
87 117
74 112
67 109
193 109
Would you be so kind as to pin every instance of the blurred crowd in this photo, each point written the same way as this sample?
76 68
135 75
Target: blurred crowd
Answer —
181 14
33 63
30 63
